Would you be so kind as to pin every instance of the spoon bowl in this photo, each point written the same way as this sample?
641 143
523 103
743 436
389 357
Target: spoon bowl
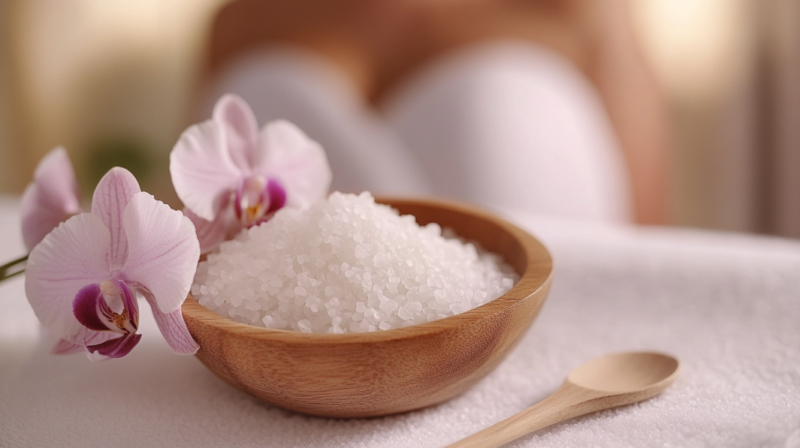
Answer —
385 372
625 372
602 383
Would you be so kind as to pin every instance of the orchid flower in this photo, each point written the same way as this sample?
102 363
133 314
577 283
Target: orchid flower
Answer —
230 176
83 278
50 199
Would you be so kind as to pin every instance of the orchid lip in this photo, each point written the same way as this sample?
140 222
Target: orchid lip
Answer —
256 198
115 348
107 306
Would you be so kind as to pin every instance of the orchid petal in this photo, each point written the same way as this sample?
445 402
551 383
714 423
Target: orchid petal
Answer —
50 198
95 357
131 305
277 195
202 169
110 198
240 129
173 328
163 250
298 162
64 347
113 348
211 233
38 217
56 178
69 258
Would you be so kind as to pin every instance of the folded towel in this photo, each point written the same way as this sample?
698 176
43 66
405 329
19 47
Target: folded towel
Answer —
727 305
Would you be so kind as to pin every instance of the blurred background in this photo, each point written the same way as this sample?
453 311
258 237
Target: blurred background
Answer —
114 82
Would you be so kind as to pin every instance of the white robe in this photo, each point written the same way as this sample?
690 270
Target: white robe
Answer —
506 125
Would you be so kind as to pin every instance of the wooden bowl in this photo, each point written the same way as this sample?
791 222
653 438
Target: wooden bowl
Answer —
384 372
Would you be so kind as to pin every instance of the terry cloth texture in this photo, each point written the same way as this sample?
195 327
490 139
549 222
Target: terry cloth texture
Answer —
727 305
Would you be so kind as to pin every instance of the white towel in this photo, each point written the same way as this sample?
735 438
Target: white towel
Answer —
727 305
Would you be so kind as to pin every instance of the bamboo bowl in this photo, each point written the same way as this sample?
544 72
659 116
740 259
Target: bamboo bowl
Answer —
384 372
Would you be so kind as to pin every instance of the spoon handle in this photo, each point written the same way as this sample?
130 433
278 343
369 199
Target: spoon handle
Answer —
569 401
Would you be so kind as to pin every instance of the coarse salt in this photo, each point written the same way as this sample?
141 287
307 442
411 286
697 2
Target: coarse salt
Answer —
344 265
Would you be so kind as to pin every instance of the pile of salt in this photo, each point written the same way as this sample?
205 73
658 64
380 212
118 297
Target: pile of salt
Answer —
347 264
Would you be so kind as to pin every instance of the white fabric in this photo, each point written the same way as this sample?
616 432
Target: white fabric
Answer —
726 305
503 124
513 125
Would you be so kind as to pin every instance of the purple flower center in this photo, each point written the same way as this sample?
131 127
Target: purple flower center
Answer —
109 306
257 198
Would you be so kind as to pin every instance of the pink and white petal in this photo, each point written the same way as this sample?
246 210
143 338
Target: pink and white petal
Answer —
163 250
211 233
110 198
131 305
64 347
68 258
240 129
95 357
276 194
173 328
298 162
38 217
202 169
55 178
50 199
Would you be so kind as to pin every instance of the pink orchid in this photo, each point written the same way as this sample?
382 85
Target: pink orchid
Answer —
83 277
50 199
230 176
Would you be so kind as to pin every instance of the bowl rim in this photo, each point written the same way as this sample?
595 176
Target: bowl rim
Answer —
537 275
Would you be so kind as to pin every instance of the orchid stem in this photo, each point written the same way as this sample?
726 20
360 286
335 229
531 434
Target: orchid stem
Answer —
8 270
13 274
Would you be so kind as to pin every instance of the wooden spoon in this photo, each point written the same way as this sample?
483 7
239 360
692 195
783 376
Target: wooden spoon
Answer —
602 383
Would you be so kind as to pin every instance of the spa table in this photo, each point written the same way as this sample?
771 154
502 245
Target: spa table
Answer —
727 305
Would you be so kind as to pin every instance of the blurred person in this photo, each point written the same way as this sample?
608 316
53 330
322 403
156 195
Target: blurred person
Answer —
541 106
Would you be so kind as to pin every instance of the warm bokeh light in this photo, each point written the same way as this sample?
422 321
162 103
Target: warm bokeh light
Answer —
694 45
95 75
89 72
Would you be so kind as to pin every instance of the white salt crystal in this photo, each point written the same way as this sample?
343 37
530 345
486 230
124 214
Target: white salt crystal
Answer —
304 325
347 265
405 314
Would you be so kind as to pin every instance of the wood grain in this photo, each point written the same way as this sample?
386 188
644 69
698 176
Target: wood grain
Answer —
384 372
